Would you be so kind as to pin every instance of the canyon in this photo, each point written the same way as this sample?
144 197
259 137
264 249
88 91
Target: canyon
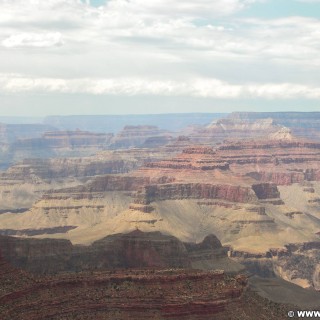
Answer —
239 194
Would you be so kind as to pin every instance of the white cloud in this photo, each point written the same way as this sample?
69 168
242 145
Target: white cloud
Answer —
159 47
201 87
308 1
200 8
33 40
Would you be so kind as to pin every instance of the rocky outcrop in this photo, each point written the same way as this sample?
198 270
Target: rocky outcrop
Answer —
296 262
283 134
266 191
153 193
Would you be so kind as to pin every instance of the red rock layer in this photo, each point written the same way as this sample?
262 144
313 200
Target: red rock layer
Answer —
130 294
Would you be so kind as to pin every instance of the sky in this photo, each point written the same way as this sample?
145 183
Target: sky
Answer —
138 56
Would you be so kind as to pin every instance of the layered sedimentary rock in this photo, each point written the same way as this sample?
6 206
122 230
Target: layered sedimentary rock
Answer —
164 293
152 193
128 295
102 162
52 169
254 195
302 124
140 136
233 128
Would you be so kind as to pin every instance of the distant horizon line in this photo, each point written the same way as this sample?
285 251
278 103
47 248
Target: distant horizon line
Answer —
146 114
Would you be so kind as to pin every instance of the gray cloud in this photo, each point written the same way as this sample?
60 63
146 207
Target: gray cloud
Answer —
137 47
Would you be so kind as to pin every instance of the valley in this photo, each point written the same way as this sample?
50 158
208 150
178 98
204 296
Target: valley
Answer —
238 193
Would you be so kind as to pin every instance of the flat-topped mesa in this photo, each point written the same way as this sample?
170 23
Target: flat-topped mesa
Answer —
140 136
77 138
129 131
243 124
65 139
301 124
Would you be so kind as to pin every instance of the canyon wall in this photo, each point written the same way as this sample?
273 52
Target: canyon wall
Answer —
121 251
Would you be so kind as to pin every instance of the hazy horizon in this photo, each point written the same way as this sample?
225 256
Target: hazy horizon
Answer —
35 116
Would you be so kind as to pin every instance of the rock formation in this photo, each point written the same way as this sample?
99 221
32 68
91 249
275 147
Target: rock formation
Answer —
304 125
140 136
233 128
164 293
254 194
295 262
121 251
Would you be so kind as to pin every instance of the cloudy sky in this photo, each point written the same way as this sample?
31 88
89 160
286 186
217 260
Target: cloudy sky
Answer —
138 56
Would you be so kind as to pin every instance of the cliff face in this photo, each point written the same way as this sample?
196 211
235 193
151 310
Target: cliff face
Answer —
133 250
154 193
